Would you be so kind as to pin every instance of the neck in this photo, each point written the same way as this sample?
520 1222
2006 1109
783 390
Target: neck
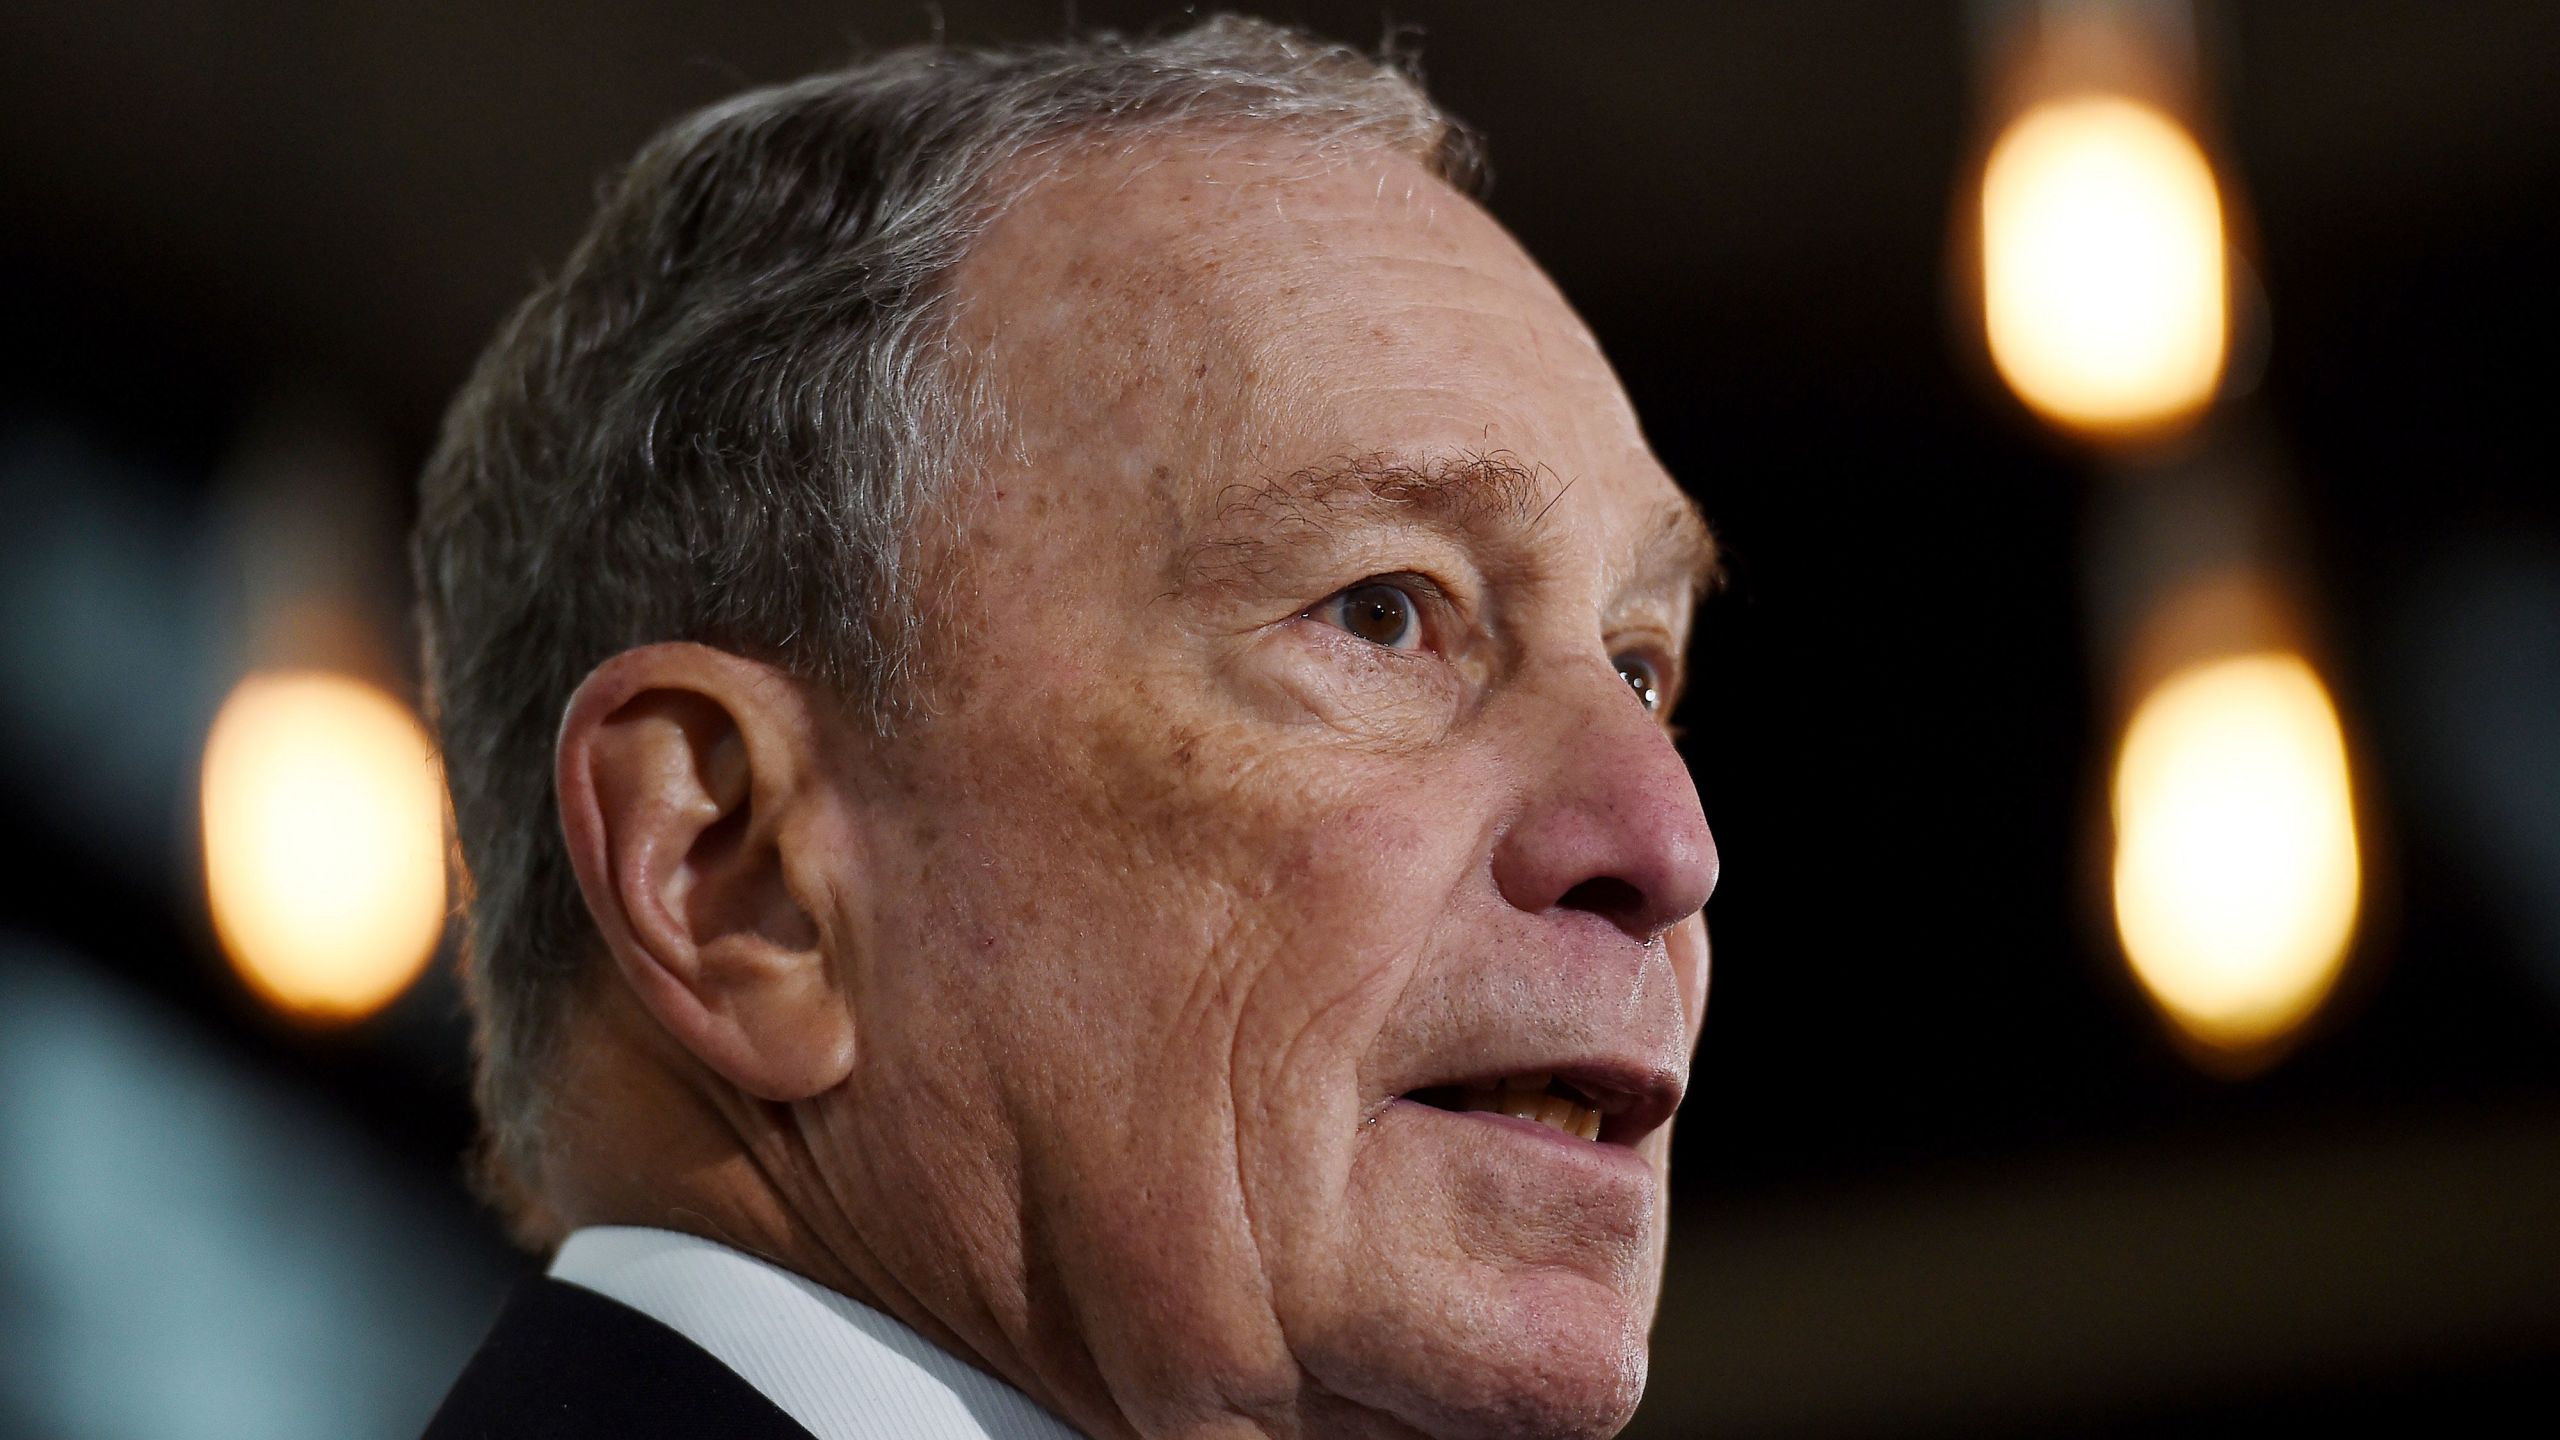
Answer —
650 1139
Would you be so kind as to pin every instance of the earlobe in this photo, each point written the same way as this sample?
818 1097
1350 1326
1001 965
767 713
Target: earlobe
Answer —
688 780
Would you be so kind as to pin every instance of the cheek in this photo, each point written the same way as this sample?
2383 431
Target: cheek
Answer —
1187 936
1354 900
1301 890
1236 933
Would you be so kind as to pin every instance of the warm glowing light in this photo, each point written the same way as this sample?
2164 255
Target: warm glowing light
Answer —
2103 276
323 842
2236 873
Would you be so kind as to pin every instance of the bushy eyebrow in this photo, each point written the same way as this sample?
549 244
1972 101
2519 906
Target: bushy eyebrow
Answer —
1468 492
1679 552
1248 523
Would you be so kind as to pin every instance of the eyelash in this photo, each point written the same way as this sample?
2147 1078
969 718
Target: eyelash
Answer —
1427 596
1666 679
1427 599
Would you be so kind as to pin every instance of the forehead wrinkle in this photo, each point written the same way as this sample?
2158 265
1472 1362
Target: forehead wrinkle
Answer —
1466 491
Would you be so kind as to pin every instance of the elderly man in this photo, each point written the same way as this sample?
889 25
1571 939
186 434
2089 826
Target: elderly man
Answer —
1054 666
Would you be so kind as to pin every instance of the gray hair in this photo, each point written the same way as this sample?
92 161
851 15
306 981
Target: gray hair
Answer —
729 415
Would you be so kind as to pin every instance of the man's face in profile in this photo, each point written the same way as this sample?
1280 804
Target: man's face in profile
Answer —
1297 787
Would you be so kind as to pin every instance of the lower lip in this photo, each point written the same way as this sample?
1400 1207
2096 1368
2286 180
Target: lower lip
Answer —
1598 1159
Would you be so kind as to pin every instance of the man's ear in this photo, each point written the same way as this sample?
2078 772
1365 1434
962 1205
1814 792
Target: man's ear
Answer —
695 799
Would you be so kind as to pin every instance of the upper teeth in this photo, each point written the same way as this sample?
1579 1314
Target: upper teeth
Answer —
1525 1097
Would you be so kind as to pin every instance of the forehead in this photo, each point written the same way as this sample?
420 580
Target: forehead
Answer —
1179 316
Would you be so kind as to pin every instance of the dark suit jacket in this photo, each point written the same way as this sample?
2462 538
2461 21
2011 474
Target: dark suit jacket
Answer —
565 1363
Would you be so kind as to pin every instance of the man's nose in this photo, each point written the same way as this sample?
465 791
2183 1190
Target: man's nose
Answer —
1610 822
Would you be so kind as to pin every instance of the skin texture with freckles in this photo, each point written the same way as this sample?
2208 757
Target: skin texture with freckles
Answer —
1143 940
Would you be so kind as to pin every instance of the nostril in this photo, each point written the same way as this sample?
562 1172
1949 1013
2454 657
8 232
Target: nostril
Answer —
1610 898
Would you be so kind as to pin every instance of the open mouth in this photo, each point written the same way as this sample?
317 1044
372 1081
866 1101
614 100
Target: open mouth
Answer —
1548 1100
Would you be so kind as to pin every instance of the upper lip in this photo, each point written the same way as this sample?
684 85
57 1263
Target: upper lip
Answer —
1634 1098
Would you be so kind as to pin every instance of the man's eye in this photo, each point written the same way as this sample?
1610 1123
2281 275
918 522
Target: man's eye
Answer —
1643 677
1378 612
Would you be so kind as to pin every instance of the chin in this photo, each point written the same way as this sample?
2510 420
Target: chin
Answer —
1541 1354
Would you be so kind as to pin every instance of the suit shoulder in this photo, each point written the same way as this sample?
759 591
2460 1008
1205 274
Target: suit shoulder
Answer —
566 1363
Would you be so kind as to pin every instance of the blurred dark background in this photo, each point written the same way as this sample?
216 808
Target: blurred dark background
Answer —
1942 1169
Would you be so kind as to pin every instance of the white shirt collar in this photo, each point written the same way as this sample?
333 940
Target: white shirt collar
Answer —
842 1369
